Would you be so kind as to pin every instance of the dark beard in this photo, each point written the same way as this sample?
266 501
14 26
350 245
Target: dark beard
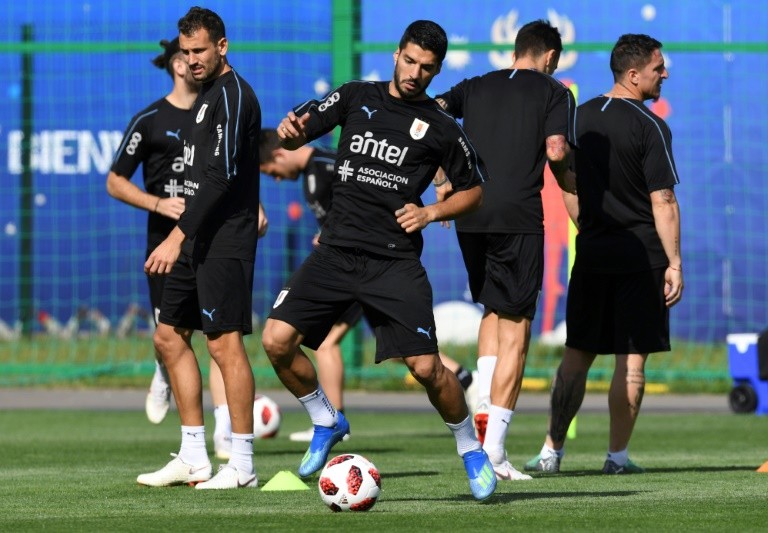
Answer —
403 95
215 73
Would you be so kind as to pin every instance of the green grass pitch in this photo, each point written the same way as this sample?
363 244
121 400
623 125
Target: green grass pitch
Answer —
76 471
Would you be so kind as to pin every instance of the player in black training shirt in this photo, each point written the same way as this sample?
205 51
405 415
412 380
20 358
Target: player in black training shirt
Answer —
316 167
518 119
628 267
210 285
393 140
154 140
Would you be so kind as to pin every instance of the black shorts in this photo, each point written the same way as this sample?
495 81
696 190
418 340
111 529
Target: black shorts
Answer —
505 270
352 315
394 293
617 313
212 295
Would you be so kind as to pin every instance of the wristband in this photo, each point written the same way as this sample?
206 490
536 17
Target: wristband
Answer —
157 204
440 184
678 269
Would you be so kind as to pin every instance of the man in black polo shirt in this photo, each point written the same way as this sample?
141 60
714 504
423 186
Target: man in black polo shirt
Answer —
628 267
393 140
210 286
518 119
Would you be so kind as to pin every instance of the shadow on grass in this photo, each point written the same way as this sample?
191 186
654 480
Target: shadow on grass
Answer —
395 475
648 471
500 498
503 498
702 469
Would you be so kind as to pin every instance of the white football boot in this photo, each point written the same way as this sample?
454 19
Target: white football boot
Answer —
176 472
229 477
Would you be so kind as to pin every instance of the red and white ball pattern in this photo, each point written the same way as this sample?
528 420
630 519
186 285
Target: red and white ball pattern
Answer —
266 417
349 482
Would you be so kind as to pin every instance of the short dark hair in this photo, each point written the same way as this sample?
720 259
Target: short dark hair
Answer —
268 143
200 17
428 35
537 38
165 60
632 50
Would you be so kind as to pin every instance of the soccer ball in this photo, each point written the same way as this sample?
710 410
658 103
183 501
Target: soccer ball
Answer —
266 417
349 483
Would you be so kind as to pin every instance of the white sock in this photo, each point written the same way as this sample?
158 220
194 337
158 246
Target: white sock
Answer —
242 452
485 367
620 457
319 409
193 451
223 422
464 432
496 432
547 452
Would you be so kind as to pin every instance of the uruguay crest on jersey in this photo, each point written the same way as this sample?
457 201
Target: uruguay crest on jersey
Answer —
418 129
201 113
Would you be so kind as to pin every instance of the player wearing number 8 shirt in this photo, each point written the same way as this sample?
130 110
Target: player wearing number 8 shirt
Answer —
154 140
393 140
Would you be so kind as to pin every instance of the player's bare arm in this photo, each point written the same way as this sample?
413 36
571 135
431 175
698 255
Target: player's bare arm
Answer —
666 214
123 189
414 218
443 186
443 190
558 156
263 221
571 202
292 131
162 258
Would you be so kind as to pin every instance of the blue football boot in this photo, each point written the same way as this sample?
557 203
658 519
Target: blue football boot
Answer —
323 439
482 479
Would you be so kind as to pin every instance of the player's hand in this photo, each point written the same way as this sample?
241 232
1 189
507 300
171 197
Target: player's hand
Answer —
673 286
162 258
413 218
568 182
171 207
292 131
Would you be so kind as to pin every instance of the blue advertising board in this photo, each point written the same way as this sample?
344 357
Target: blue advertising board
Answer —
88 248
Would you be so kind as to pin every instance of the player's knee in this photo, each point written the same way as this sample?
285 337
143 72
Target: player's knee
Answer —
165 343
277 344
220 350
272 346
425 370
